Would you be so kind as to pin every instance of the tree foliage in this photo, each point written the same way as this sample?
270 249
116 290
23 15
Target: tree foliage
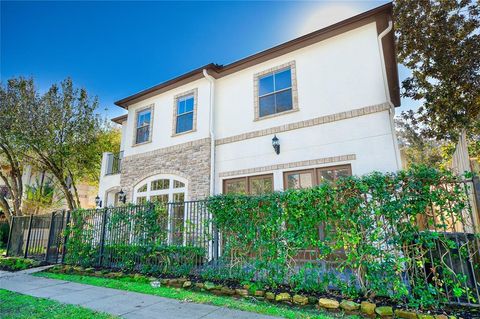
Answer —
439 41
62 130
15 96
419 149
57 132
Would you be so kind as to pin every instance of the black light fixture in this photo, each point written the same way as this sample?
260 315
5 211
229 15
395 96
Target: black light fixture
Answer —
122 196
276 144
98 202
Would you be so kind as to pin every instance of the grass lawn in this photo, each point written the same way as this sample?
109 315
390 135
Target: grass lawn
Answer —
199 297
14 305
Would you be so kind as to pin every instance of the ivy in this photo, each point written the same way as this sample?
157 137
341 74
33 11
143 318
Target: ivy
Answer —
389 235
374 235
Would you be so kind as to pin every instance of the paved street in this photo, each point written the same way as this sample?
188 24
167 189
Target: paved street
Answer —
117 302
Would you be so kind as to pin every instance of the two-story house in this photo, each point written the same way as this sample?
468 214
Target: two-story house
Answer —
308 110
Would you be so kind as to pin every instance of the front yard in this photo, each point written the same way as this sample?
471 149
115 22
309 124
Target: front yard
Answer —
143 286
18 306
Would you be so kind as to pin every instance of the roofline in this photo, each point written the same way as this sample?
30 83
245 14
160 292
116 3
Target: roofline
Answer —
120 119
379 15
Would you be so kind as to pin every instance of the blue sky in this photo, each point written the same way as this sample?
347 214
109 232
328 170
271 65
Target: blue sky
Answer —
114 49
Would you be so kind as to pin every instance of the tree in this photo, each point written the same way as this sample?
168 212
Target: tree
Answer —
419 149
61 131
439 41
16 96
108 140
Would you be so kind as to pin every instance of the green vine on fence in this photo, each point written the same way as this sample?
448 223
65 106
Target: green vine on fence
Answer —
375 235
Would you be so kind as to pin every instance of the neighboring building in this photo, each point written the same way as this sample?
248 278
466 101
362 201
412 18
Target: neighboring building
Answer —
328 97
33 179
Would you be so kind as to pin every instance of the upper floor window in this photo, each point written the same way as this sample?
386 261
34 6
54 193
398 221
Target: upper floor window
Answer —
142 128
185 109
275 91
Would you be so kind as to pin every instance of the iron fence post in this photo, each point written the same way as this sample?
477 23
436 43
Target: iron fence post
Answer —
102 236
10 235
65 236
28 236
49 236
215 243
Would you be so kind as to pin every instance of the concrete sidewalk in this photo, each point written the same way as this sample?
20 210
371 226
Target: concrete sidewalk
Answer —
117 302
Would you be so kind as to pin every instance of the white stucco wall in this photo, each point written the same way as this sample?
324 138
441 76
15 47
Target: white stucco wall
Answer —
335 75
107 183
367 137
163 119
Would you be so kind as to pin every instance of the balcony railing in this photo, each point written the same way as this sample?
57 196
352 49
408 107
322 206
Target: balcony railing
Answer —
114 163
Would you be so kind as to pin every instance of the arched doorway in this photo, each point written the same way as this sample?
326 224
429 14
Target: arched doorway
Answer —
165 189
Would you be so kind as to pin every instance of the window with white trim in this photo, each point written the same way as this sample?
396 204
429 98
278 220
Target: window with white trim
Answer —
161 188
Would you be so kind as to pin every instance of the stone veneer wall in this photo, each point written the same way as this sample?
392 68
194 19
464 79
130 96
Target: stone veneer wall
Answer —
188 160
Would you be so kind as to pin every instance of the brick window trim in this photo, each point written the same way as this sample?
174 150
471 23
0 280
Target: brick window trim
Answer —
193 92
134 141
256 102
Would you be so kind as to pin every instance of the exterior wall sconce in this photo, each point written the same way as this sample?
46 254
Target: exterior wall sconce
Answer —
98 202
122 197
276 144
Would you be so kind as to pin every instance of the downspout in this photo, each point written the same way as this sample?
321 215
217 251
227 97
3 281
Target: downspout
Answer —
212 131
387 93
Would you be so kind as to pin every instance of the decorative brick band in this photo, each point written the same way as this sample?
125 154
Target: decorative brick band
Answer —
307 123
320 161
169 149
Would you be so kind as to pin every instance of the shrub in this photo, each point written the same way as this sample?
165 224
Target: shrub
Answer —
4 229
16 263
135 240
374 235
364 236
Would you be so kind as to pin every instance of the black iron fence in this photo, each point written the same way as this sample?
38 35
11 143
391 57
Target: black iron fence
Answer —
109 237
182 237
39 237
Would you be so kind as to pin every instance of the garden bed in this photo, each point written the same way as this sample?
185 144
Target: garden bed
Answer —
17 263
281 296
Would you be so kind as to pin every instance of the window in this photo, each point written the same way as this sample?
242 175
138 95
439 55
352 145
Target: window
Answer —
252 185
184 116
160 184
163 188
142 133
275 91
311 177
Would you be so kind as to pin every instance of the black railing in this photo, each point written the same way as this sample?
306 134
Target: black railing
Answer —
169 236
114 163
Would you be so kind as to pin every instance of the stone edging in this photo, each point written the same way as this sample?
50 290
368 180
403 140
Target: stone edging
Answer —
306 123
325 160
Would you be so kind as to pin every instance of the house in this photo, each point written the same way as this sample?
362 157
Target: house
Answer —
308 110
